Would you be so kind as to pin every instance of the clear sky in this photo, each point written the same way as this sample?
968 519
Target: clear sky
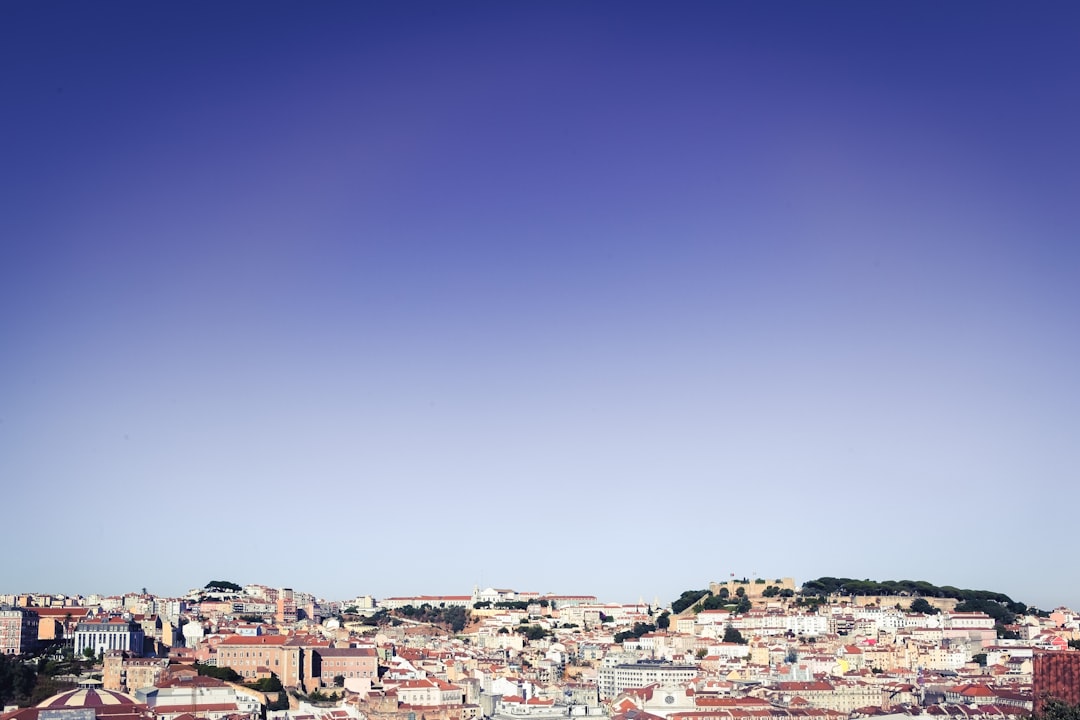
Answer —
586 297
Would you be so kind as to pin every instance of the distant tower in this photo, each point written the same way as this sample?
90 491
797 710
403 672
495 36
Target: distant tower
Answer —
286 607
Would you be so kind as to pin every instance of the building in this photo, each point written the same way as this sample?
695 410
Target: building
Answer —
286 607
18 631
1056 676
127 674
258 656
204 697
102 634
613 679
330 663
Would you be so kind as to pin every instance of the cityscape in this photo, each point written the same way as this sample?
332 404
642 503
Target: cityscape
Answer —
738 649
539 359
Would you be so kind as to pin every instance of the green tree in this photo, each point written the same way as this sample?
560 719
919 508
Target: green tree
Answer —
687 599
223 586
1054 709
920 605
221 673
663 622
732 635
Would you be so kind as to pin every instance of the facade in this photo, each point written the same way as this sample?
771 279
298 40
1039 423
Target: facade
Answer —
18 630
429 692
260 655
329 663
109 633
286 607
613 679
126 674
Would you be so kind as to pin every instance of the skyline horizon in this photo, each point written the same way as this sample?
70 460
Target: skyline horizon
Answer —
649 600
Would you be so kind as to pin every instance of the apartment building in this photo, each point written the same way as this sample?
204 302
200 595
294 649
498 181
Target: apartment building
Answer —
18 630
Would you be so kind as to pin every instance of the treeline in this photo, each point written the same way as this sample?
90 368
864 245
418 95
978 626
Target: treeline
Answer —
916 588
705 600
997 605
456 618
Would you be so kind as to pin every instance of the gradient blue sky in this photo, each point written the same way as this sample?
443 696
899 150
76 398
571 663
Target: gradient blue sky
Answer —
588 297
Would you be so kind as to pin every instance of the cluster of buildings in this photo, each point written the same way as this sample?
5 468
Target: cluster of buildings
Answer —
540 656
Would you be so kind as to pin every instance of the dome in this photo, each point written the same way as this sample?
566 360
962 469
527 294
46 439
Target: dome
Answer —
88 698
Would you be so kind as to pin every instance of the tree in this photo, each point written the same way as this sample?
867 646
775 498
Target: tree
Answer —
223 586
980 658
533 632
740 592
732 635
770 591
700 653
920 605
268 684
221 673
339 681
664 621
1054 709
687 599
18 681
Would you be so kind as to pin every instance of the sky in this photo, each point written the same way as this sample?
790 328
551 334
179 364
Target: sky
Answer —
610 298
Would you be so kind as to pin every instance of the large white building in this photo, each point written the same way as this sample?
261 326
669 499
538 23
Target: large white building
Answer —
109 633
613 679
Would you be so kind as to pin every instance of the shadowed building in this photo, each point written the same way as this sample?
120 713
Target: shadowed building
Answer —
18 630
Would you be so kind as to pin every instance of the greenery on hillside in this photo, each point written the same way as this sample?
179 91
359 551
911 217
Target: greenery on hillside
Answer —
999 606
634 633
532 632
732 635
456 618
221 673
687 599
914 588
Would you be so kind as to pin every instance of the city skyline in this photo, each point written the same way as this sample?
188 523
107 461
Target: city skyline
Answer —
618 298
